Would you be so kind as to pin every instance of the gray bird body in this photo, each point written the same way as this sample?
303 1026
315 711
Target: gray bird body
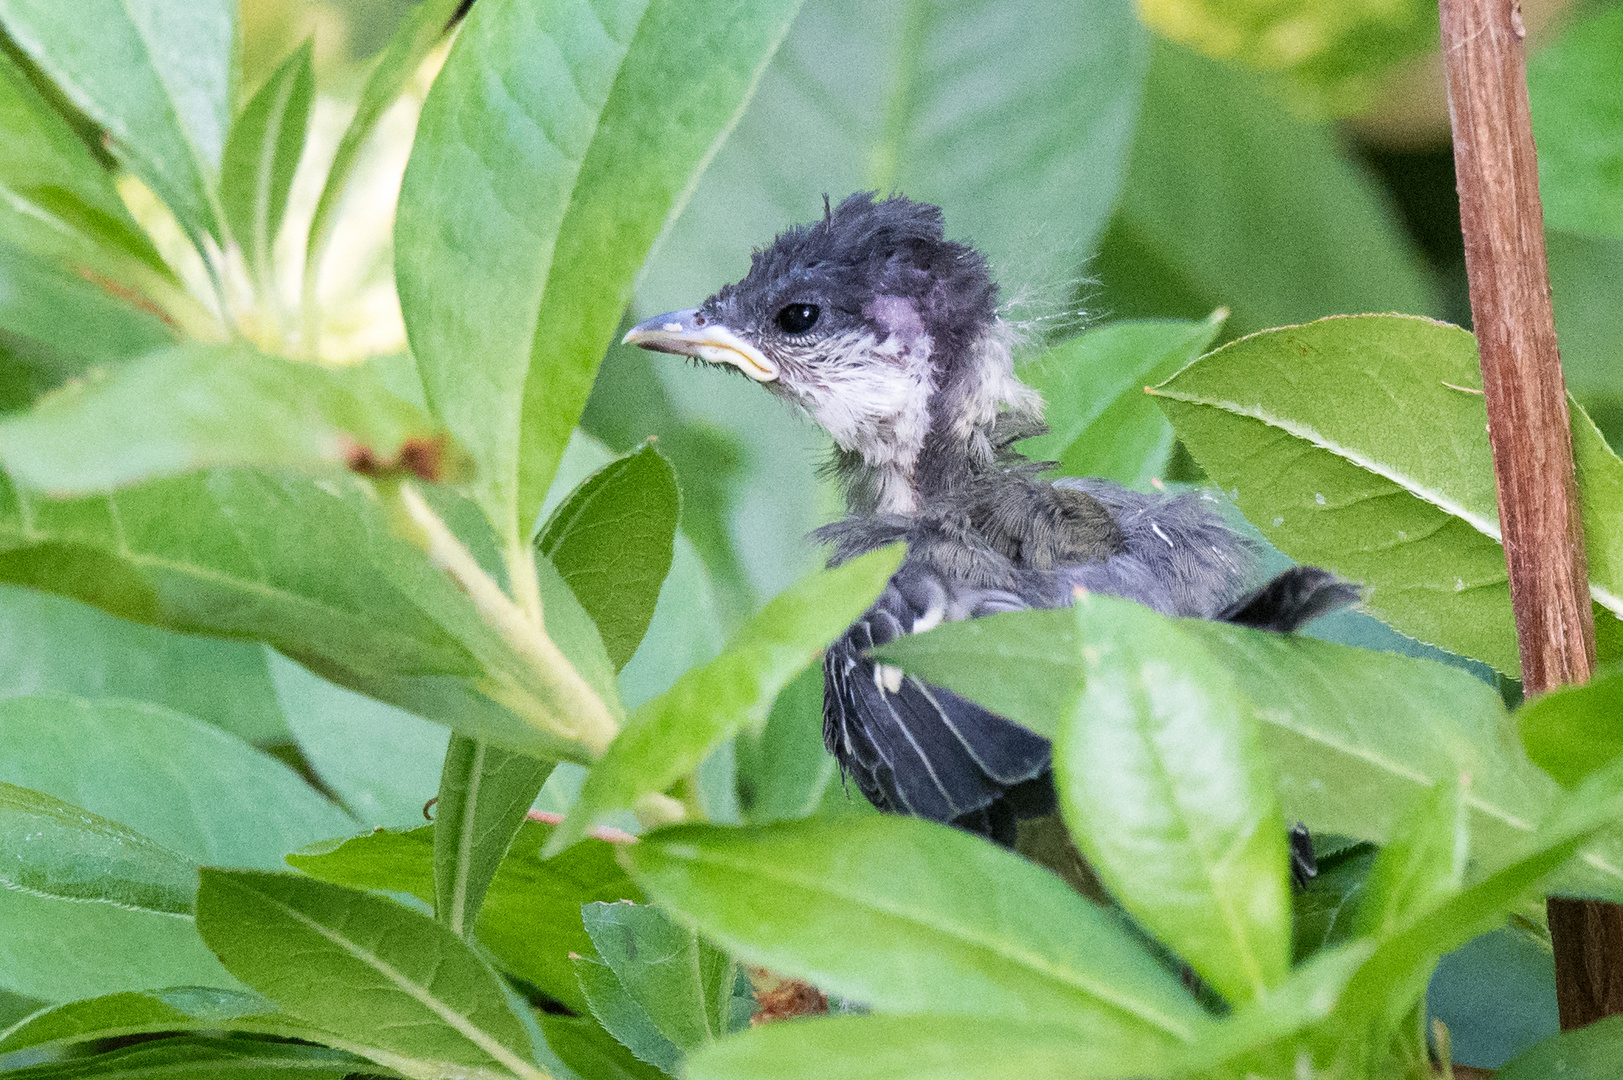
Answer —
887 335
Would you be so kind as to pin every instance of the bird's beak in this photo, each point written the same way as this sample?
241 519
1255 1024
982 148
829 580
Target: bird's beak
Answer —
687 333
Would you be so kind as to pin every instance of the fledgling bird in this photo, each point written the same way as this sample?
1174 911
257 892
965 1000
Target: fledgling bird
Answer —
888 336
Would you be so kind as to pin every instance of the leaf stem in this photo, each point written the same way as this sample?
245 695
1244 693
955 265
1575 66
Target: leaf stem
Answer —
594 726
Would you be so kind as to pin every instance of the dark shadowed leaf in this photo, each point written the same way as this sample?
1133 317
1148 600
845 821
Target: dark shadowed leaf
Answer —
1101 423
261 155
668 737
159 76
612 541
784 770
1574 730
196 406
402 989
908 916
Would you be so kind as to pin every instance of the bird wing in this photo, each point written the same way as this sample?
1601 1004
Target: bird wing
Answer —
918 749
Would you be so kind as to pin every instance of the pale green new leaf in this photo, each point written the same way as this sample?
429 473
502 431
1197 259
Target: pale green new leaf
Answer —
158 75
261 155
668 737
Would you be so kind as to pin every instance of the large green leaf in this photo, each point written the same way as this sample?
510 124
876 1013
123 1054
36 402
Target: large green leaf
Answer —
612 541
209 1059
1164 785
908 916
186 785
261 155
1230 201
1574 730
402 989
49 644
934 100
554 146
1422 865
531 918
670 735
158 75
54 849
59 201
1577 105
195 406
117 1016
484 794
1347 761
75 318
923 1048
784 771
1360 444
1100 421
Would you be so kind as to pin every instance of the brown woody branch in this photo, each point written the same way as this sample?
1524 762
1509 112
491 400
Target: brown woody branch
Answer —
1528 424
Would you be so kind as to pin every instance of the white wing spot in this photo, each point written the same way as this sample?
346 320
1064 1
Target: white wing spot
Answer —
1158 531
887 678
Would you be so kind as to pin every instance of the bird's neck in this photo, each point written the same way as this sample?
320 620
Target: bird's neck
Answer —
909 466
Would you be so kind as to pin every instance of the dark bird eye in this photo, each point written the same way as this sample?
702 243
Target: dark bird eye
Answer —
797 318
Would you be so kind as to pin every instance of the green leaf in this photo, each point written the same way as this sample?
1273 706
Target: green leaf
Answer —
1574 730
71 315
261 155
206 1059
52 645
186 785
62 203
784 771
668 737
484 794
1230 201
531 918
682 983
1406 957
908 916
613 1007
1100 421
1164 786
158 75
1589 1053
613 541
403 990
195 406
932 100
1577 105
1338 57
585 1047
118 1016
420 30
1360 444
554 146
1422 865
54 849
923 1048
1346 761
